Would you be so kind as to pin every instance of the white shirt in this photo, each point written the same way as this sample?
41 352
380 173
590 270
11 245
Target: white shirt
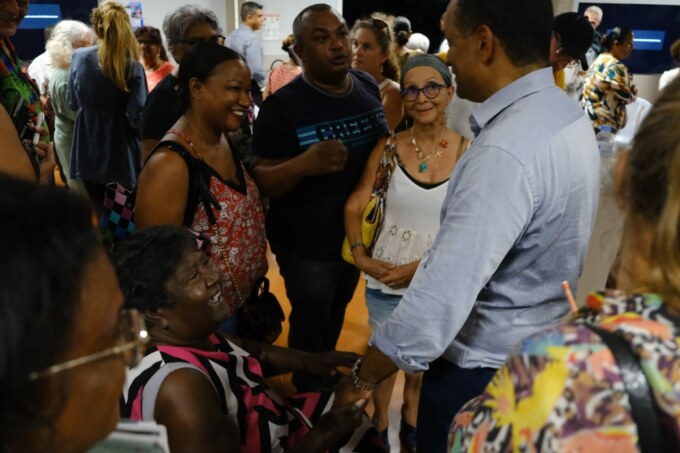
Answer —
39 70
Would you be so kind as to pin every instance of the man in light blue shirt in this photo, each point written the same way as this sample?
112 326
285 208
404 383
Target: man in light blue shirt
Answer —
515 223
244 41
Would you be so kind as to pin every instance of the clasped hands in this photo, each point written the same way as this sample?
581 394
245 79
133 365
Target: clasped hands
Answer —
393 275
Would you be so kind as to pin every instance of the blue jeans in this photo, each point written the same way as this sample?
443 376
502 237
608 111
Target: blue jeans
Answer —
446 388
380 306
319 292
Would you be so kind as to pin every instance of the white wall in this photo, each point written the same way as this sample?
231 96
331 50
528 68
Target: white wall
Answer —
647 84
155 10
288 9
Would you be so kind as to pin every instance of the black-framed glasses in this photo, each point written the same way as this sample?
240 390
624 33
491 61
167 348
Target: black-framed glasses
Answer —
219 39
430 90
132 336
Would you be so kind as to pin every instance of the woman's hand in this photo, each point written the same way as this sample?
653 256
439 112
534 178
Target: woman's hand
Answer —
400 276
331 428
325 363
44 153
46 161
375 268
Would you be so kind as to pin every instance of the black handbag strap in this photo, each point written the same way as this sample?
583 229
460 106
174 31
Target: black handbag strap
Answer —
199 188
642 404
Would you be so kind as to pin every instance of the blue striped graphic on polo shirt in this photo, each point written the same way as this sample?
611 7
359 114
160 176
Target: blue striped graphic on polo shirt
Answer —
352 131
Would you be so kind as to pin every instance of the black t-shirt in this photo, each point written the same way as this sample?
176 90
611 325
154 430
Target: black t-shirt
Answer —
309 219
163 108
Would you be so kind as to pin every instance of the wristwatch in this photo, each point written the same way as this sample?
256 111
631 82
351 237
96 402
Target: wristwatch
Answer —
359 383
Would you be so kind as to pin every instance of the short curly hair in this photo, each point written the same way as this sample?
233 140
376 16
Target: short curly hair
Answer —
145 262
66 35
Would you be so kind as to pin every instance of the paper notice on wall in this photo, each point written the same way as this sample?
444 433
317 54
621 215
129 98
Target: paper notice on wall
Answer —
134 10
271 27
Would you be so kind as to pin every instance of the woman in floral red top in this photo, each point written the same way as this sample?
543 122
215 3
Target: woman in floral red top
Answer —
195 155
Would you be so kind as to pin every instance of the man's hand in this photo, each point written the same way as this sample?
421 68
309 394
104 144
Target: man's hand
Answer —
331 428
346 393
325 363
325 157
342 420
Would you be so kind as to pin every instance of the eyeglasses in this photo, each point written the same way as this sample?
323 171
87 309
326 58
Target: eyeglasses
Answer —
132 335
430 90
219 39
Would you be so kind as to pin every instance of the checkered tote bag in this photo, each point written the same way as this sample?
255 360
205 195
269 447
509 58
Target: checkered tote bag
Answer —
117 219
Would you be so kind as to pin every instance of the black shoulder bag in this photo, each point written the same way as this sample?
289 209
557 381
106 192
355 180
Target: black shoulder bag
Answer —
643 407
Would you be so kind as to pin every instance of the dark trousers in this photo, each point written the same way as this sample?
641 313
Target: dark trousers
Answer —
446 388
256 92
96 193
319 292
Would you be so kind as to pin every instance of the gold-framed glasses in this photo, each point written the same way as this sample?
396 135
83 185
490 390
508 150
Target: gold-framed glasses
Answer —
133 338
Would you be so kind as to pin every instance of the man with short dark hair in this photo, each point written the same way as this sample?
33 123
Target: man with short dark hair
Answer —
244 41
312 139
515 223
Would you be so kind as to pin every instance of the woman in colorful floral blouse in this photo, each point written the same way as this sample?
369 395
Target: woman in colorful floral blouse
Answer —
609 86
562 390
18 91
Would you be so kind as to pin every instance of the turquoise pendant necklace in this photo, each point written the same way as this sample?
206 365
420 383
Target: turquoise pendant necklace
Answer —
422 155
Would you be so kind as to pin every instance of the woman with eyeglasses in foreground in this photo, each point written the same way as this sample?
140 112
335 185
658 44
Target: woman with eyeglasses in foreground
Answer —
425 157
208 389
65 339
609 86
372 52
563 389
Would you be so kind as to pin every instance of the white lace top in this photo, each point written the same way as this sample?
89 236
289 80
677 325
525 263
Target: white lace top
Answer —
411 222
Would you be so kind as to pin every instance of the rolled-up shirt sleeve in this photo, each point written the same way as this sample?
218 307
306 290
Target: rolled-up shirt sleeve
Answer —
488 206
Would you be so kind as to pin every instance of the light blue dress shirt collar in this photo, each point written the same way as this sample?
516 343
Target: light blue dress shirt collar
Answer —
502 99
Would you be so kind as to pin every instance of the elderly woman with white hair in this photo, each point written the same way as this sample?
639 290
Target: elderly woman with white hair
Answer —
67 36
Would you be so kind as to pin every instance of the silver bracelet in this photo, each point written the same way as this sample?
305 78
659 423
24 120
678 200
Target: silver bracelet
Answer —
359 383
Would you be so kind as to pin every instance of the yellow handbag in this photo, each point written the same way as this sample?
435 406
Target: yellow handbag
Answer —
370 220
372 217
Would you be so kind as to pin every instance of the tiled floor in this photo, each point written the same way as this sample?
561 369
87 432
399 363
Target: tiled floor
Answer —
354 337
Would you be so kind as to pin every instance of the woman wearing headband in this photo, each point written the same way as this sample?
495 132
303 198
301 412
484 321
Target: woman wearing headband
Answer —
425 156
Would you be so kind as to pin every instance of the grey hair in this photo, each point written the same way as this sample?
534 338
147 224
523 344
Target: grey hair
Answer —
248 9
418 41
595 10
178 21
64 38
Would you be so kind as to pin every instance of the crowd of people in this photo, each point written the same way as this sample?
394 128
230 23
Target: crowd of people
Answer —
351 170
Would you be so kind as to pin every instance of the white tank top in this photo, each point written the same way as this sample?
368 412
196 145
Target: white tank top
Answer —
412 218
